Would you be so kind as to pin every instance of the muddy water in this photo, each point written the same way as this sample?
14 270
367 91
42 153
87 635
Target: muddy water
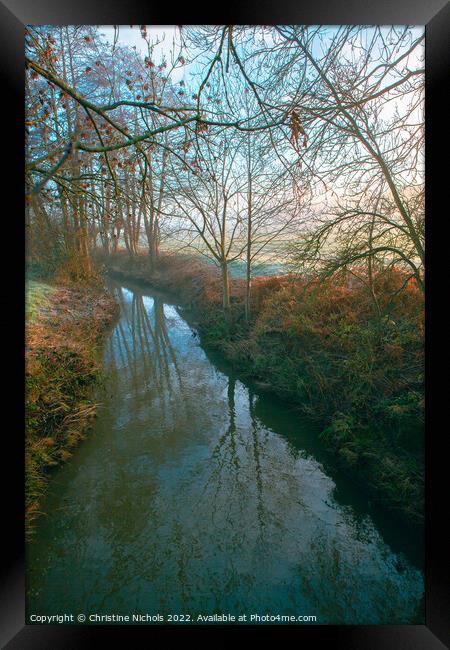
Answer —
194 494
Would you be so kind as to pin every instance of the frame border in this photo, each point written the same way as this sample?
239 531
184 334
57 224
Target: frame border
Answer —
435 15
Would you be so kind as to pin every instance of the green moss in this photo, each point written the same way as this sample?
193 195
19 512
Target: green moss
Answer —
37 298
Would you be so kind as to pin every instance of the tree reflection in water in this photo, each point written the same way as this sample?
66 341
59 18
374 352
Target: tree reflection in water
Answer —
194 494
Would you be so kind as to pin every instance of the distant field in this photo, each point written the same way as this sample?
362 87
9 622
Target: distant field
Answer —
271 261
238 269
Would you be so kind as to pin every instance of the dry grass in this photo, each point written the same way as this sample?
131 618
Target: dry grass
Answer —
64 328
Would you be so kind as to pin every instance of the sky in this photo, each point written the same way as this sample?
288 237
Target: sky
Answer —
167 34
169 46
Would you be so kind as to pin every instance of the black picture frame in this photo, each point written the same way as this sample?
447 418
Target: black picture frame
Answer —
14 15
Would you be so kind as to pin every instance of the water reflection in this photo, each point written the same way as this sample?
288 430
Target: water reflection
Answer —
195 495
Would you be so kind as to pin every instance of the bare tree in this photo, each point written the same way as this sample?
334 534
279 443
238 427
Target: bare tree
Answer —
361 102
208 205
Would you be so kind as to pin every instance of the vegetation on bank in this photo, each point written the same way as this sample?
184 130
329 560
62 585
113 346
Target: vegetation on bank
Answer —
65 324
353 362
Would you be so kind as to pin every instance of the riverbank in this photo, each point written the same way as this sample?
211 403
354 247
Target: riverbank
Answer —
65 327
357 370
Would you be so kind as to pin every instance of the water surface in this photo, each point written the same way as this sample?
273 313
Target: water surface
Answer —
194 494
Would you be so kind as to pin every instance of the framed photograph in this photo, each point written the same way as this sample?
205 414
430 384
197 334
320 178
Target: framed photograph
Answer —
221 358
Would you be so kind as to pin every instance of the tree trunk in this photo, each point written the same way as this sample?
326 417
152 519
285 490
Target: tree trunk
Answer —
248 285
226 287
248 289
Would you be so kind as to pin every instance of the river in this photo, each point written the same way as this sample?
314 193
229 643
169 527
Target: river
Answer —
195 493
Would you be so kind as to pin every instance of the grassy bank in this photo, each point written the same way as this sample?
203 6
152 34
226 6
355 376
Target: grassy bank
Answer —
65 326
354 364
